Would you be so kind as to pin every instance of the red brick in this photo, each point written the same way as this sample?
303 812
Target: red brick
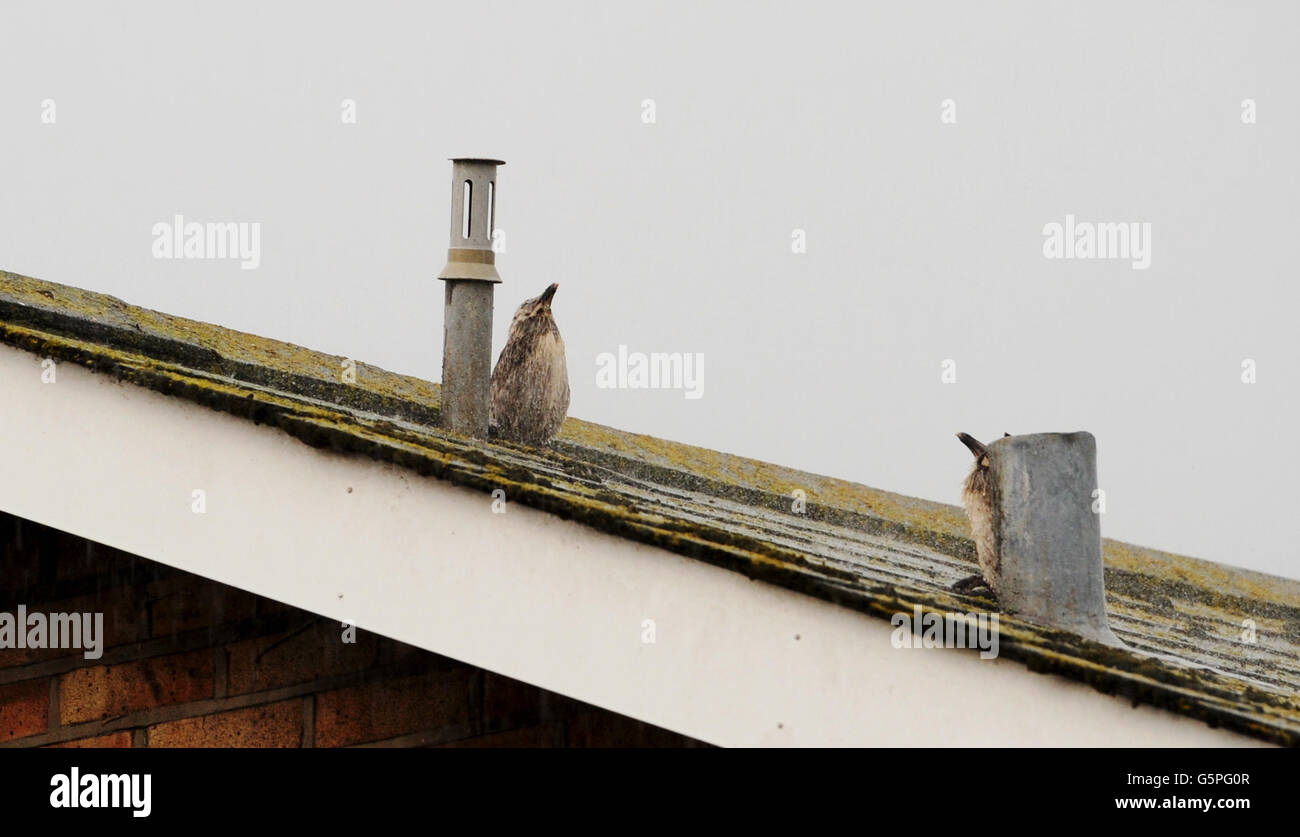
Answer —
24 708
539 735
271 725
291 657
188 602
113 739
97 692
389 708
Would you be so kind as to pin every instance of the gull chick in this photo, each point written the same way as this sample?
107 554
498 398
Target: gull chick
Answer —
979 509
530 384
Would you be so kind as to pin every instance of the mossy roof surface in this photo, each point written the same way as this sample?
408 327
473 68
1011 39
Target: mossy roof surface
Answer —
858 547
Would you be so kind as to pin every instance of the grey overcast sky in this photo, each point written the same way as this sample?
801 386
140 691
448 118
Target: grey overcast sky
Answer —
924 237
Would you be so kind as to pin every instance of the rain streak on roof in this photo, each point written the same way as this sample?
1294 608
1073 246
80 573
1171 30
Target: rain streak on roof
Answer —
854 546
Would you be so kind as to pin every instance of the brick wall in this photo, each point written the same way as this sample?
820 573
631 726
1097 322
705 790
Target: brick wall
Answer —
188 662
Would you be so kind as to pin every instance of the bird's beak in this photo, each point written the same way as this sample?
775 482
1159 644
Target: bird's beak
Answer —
974 445
549 292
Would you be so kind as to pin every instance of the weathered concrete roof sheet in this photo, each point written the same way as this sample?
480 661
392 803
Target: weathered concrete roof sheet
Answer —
859 547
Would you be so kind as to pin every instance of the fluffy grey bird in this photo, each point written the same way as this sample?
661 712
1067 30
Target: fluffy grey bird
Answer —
979 509
530 384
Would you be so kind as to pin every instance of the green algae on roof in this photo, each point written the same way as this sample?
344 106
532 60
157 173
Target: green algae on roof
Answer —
855 546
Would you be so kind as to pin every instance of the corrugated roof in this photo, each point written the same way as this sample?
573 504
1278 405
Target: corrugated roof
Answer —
855 546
